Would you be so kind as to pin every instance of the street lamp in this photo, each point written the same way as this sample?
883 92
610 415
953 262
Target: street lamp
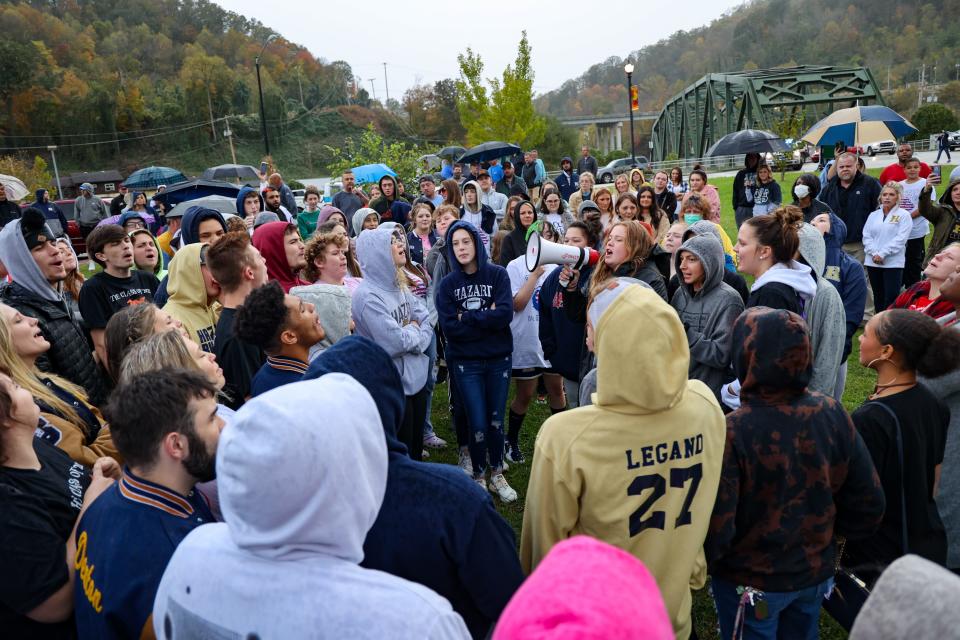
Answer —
263 115
629 69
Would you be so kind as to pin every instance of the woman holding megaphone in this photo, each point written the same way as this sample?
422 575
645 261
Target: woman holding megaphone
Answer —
626 254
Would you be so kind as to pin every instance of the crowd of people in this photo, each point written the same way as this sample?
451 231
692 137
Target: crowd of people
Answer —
240 404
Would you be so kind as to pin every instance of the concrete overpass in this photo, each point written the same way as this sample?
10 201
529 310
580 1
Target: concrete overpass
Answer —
609 128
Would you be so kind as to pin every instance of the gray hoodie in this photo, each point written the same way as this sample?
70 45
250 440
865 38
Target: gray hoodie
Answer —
947 388
392 317
359 217
22 267
333 308
707 315
301 532
914 598
826 317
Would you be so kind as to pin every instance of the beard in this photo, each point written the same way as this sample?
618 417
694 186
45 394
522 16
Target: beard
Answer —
201 463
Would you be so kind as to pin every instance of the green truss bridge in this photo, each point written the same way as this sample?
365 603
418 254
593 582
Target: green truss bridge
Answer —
721 103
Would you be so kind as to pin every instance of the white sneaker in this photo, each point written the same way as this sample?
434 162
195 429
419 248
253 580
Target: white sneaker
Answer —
434 442
500 486
466 464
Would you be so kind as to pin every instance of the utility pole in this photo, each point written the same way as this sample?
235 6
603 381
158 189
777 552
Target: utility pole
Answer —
372 88
228 134
56 172
385 83
300 84
923 73
263 114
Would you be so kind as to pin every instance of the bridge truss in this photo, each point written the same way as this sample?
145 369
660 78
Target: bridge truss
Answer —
721 103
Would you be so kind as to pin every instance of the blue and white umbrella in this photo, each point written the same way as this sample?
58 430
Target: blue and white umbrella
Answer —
152 177
368 173
859 126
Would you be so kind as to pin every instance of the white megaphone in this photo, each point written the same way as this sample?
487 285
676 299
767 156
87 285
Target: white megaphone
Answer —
540 251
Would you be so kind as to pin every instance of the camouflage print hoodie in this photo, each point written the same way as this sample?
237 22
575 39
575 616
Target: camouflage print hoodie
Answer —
795 471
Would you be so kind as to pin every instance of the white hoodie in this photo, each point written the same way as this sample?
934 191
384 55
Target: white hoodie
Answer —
302 474
797 276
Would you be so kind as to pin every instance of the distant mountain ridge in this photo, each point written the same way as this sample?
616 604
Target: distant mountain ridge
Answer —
892 38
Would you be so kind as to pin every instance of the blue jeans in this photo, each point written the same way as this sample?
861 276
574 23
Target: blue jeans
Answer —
431 383
482 387
791 615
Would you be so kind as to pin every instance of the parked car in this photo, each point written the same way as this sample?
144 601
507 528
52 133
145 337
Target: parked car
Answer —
612 169
331 189
954 140
298 196
793 161
881 146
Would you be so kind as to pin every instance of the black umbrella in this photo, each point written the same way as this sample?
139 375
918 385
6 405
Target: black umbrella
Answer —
242 172
197 188
488 151
451 152
748 141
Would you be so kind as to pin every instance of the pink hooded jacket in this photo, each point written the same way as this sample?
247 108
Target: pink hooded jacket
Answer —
585 589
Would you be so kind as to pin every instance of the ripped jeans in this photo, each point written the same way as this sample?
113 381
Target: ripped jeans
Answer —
482 386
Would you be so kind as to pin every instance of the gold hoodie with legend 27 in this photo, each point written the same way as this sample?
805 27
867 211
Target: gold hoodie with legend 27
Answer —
638 469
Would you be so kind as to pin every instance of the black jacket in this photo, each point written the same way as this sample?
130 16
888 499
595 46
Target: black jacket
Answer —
667 201
9 211
852 204
488 218
70 354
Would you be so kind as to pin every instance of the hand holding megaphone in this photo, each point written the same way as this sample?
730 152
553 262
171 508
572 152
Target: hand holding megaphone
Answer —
541 252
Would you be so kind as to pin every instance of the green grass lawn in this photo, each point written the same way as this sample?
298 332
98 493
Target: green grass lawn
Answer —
860 381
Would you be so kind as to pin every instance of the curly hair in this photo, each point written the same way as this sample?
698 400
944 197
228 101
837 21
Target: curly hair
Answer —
262 317
315 248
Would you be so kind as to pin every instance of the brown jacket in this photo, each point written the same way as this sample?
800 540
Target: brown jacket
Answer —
73 441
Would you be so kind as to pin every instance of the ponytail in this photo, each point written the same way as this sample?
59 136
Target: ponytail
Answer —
780 231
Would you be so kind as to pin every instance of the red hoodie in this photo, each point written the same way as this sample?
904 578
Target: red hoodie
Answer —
268 239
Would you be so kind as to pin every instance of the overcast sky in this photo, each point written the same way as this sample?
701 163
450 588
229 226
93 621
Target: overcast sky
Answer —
420 41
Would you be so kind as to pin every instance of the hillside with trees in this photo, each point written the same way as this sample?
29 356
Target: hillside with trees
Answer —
891 37
124 83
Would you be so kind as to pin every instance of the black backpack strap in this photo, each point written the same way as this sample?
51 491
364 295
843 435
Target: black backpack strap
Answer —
903 497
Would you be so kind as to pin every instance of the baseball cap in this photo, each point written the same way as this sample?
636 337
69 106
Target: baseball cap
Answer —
483 173
86 186
426 178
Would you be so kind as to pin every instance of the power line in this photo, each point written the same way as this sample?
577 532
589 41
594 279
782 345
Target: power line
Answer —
110 133
111 141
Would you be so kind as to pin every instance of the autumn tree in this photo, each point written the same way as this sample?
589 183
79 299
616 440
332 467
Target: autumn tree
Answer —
432 111
17 65
209 76
502 108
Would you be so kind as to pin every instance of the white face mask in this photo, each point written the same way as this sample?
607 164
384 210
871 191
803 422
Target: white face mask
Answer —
801 191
